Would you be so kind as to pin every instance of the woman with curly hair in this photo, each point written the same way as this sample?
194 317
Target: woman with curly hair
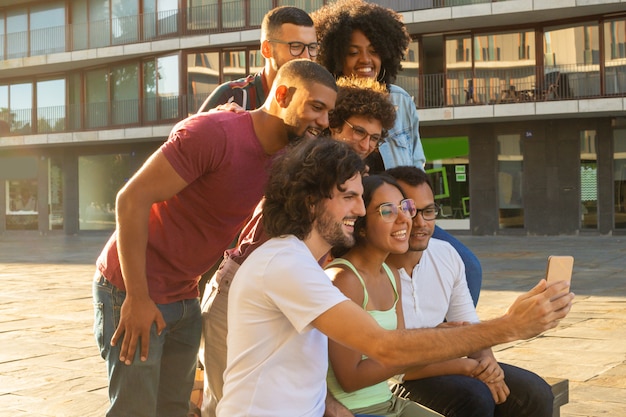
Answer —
366 40
369 41
359 382
362 111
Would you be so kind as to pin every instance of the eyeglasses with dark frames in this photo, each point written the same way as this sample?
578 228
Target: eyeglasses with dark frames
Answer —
428 213
376 140
297 48
389 211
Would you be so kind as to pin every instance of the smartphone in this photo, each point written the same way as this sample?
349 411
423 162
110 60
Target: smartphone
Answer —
559 268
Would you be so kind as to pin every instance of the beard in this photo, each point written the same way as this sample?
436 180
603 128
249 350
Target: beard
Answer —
332 231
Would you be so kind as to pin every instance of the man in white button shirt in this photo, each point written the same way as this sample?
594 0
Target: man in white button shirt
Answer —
434 290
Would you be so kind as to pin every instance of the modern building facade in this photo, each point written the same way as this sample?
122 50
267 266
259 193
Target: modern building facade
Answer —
522 103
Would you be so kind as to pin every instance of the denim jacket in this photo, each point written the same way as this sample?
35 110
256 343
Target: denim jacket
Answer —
403 145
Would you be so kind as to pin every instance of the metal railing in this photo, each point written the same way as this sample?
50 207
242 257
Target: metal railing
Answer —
501 86
454 88
213 18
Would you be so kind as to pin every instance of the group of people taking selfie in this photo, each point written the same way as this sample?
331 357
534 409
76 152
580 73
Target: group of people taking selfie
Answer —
341 296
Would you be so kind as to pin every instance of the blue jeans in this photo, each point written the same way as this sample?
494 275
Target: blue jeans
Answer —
473 270
464 396
161 386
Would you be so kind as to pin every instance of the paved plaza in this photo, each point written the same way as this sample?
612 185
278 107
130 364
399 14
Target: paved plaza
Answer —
50 366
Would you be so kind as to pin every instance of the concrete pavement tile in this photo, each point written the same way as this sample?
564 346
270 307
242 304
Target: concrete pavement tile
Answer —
589 400
614 378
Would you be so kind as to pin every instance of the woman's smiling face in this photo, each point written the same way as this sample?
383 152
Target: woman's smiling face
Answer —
362 59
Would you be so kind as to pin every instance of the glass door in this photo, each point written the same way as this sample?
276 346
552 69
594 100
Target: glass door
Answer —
588 180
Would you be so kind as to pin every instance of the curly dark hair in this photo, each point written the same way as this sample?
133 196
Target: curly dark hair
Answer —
371 183
335 22
362 97
301 178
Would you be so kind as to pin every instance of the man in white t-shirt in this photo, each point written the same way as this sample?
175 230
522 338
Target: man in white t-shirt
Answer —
282 305
434 290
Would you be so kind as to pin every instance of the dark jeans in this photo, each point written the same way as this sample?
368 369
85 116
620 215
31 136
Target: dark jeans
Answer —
160 386
463 396
473 270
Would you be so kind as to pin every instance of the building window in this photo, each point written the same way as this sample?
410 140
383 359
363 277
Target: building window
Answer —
572 55
97 94
615 56
51 106
47 28
588 180
100 177
22 208
125 94
202 77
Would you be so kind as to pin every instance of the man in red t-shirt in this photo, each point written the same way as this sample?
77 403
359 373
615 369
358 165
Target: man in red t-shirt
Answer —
175 217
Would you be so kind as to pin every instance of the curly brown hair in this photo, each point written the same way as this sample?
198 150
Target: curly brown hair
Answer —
362 97
307 173
383 27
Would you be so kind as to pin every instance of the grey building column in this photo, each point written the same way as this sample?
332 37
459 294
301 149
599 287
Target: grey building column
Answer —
483 164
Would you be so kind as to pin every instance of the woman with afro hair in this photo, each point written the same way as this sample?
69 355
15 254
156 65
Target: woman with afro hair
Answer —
366 40
369 41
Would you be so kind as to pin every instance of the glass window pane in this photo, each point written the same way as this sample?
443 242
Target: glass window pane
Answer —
459 68
202 77
99 23
510 186
124 23
79 25
74 99
257 11
615 56
504 68
202 14
22 210
233 14
307 5
51 106
96 85
234 65
449 170
6 118
47 28
21 105
572 58
588 179
2 37
125 94
100 178
168 86
149 91
167 16
149 19
17 33
619 177
408 78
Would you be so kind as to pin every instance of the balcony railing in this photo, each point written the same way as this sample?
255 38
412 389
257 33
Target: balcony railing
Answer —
501 86
454 88
214 18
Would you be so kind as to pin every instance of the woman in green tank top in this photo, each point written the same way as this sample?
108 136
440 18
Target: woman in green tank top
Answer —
361 274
